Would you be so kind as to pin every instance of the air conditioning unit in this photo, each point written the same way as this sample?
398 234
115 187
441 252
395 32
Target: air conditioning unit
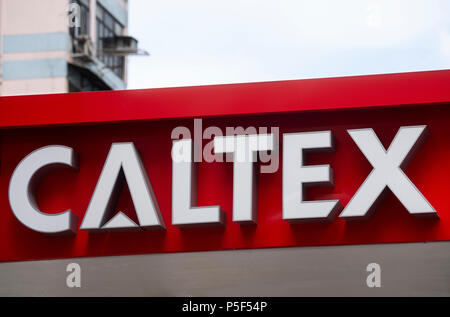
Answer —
82 47
119 45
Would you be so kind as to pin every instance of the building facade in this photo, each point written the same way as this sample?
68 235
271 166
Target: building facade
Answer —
59 46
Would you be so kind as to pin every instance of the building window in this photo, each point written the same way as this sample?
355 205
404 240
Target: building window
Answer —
108 26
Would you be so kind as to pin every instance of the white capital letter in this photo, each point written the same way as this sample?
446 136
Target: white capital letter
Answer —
244 148
184 194
23 185
296 175
387 172
122 157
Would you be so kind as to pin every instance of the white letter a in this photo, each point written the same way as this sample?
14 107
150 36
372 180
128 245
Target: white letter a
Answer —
122 157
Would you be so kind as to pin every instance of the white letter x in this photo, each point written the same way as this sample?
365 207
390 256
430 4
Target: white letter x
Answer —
387 172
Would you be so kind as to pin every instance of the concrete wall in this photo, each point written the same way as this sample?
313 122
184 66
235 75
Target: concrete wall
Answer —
35 46
413 269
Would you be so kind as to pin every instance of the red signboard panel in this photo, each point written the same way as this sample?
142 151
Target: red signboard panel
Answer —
90 122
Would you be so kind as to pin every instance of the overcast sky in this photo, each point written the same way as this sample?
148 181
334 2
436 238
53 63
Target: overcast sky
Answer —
200 42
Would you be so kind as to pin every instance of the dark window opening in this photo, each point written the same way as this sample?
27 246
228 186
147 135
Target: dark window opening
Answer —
107 27
83 80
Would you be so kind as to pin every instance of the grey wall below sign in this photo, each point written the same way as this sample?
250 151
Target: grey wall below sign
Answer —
410 269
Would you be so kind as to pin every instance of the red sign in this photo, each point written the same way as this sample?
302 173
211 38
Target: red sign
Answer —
89 123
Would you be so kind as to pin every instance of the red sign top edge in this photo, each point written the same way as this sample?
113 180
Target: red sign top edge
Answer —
401 89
